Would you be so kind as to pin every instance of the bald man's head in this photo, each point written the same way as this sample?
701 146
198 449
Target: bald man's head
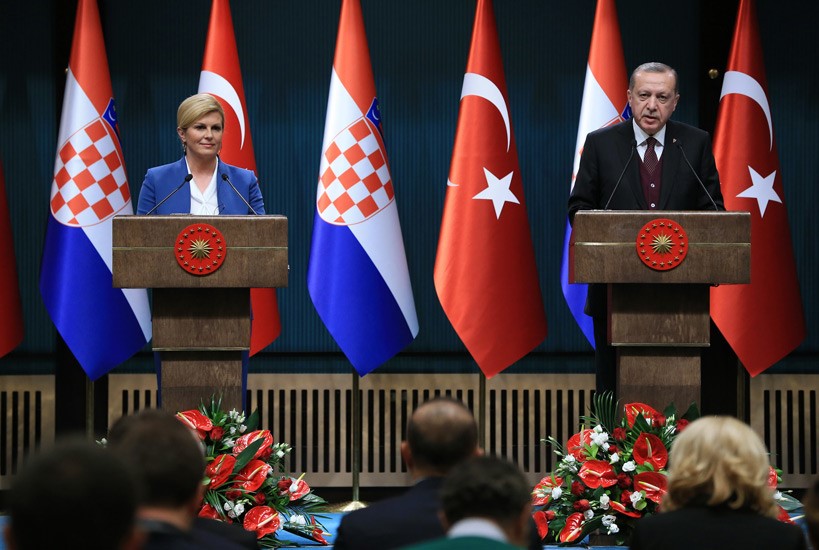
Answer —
441 433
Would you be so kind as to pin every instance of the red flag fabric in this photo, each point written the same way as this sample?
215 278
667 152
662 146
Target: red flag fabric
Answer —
762 321
485 272
221 77
11 318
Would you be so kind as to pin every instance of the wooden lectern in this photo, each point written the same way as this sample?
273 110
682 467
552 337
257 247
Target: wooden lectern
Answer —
201 324
658 320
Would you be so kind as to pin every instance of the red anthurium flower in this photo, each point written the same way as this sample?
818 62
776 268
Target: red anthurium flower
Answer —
597 473
262 519
195 420
649 448
219 470
542 524
577 442
574 524
654 484
242 442
209 512
542 493
297 489
633 409
772 477
621 509
252 475
317 533
784 516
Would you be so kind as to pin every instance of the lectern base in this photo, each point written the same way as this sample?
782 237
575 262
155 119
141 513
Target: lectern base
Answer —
190 378
659 376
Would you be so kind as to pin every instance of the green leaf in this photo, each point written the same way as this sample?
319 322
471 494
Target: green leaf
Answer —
252 421
692 413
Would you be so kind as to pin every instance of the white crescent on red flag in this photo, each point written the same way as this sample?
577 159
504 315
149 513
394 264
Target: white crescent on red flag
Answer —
762 321
221 77
485 272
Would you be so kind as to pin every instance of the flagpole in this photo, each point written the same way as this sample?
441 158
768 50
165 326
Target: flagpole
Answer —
482 410
355 425
89 408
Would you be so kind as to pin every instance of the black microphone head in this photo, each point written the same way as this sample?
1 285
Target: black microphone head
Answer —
224 177
189 177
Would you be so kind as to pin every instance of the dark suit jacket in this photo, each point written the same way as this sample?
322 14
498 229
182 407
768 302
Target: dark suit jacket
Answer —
162 180
605 155
715 528
409 518
464 543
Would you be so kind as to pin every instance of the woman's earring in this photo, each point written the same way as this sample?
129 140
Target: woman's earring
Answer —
184 147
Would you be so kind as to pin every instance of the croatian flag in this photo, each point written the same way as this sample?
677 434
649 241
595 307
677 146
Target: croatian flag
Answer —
604 103
102 326
357 275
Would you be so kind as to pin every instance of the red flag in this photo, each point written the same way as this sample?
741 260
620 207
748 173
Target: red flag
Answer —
11 318
762 321
222 77
485 272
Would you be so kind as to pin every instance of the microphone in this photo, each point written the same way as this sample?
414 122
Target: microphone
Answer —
227 179
710 198
620 177
188 178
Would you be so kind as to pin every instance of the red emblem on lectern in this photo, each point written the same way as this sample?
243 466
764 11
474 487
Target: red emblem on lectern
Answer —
200 249
662 244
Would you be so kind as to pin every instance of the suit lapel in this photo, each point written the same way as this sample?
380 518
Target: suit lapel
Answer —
181 201
671 164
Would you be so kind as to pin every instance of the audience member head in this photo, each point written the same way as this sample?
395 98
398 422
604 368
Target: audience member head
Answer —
811 505
719 460
167 461
440 433
73 495
489 488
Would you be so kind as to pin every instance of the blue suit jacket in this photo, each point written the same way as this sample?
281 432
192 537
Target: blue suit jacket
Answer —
162 180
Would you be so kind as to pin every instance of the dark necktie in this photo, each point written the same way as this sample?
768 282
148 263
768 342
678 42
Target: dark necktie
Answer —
650 160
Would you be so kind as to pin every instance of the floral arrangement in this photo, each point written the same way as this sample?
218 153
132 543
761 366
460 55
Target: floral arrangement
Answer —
243 483
612 473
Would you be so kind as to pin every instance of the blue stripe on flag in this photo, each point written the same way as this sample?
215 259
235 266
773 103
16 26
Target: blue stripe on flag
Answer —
575 294
353 299
95 320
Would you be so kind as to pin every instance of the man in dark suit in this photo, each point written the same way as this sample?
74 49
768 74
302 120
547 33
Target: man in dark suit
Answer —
647 163
440 434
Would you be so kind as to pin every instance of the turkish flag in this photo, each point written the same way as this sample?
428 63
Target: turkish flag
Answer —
485 272
221 77
762 321
11 320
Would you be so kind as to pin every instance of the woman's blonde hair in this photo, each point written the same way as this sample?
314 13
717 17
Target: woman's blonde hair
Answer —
195 107
719 460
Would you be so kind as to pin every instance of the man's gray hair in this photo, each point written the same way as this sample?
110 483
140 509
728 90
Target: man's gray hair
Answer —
654 67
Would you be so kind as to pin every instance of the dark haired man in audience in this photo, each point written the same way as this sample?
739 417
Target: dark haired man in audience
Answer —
74 495
485 505
441 433
169 465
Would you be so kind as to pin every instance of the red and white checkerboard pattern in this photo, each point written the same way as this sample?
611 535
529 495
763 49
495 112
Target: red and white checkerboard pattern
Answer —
90 184
356 183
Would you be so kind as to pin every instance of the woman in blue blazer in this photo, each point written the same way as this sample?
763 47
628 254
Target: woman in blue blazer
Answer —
200 183
200 125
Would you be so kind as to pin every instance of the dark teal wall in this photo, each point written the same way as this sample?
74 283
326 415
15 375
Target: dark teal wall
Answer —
419 50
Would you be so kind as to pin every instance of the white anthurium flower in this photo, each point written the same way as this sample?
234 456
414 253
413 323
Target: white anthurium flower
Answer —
605 446
298 519
242 429
569 459
629 466
612 529
588 514
279 453
614 458
556 492
608 520
604 504
636 497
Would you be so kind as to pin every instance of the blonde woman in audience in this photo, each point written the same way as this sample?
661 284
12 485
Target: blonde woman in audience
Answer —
717 495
